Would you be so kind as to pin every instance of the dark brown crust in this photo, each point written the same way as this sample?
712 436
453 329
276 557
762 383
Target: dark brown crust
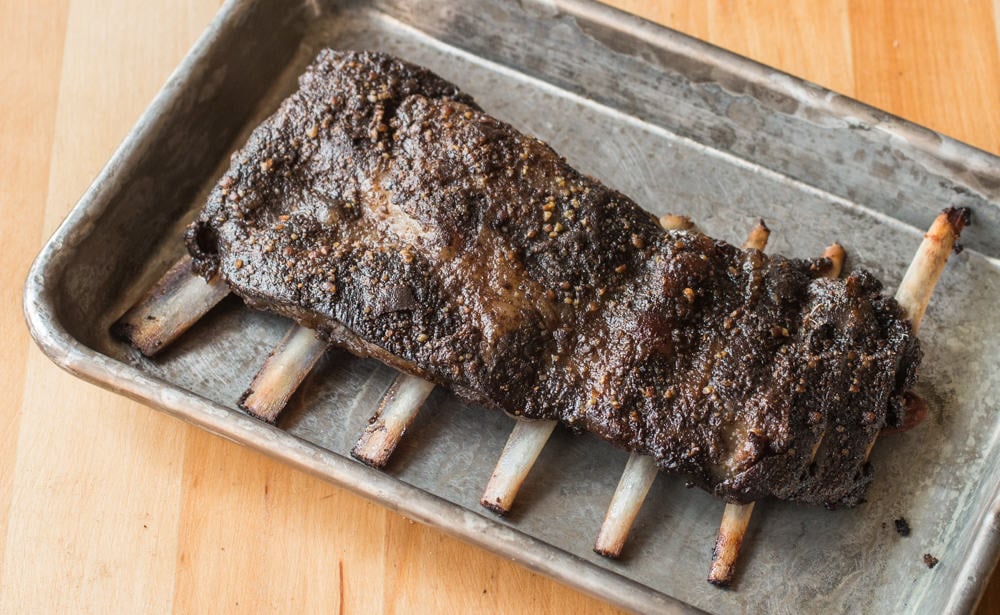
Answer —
958 218
381 207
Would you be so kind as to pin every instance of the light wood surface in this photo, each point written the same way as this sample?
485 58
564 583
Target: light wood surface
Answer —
107 506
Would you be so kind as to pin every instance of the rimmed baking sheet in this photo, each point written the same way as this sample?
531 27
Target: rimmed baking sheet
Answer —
678 125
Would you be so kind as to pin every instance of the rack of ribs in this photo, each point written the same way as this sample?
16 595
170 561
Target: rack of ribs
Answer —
381 208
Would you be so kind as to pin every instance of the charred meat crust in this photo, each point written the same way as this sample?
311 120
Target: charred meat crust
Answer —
382 207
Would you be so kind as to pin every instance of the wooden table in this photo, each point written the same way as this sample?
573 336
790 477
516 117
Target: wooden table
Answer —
108 506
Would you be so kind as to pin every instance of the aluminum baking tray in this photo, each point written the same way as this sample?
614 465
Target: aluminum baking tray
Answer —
677 124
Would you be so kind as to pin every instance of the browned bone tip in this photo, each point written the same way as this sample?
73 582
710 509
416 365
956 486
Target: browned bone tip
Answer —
914 293
522 449
397 410
634 485
836 255
918 283
282 373
757 240
735 520
675 222
168 309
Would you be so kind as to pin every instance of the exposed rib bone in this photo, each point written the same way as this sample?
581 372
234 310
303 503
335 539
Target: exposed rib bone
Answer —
637 478
519 454
283 371
168 309
735 520
736 517
921 277
835 252
529 437
673 222
641 470
918 283
913 296
757 239
292 360
398 409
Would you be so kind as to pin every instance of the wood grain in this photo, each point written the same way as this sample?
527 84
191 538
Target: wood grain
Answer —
27 128
107 506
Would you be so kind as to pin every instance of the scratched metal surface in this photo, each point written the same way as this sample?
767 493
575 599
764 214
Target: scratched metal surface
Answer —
681 127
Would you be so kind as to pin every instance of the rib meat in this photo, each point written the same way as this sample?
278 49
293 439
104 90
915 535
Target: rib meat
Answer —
380 206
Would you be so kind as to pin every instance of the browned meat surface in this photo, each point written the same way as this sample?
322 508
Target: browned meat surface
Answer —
382 207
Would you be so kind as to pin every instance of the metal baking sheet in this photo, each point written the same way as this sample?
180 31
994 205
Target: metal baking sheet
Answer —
680 126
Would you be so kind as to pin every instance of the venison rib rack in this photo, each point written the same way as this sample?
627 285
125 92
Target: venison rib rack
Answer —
384 212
